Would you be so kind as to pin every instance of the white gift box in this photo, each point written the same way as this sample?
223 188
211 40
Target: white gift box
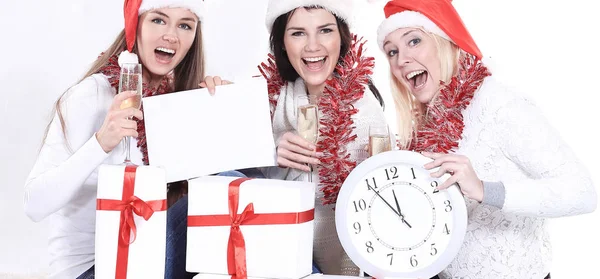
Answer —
282 251
145 256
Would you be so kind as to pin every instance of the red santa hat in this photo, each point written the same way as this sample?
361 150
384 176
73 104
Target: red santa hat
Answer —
340 8
435 16
134 8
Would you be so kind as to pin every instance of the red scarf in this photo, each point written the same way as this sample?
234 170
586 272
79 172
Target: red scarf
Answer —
443 124
112 71
336 127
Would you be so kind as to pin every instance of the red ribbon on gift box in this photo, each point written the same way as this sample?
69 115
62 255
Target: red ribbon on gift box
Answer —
236 249
129 205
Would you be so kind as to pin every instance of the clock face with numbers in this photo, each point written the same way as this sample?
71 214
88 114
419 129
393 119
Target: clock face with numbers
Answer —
393 223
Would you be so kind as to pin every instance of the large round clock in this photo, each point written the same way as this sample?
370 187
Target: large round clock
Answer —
394 223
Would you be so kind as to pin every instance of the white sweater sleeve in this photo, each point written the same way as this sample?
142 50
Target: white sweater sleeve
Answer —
60 171
557 184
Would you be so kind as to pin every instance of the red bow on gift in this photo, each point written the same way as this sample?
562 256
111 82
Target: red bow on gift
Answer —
129 205
133 205
236 248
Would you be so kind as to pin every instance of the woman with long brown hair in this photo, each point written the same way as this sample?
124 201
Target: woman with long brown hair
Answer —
89 125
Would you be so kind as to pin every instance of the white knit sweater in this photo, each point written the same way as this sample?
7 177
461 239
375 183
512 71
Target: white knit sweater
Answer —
62 184
328 253
508 140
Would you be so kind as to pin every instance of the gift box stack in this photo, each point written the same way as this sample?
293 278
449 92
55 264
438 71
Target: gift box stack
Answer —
237 227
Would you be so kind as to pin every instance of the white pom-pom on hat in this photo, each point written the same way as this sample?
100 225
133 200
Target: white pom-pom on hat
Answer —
127 57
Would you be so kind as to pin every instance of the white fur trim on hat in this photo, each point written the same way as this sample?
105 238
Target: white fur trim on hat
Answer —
407 19
196 6
340 8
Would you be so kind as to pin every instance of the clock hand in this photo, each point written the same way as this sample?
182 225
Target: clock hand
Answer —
396 200
388 204
400 211
404 221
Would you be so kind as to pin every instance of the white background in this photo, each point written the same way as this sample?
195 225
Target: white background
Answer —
544 48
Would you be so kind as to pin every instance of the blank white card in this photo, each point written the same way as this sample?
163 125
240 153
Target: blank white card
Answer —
192 134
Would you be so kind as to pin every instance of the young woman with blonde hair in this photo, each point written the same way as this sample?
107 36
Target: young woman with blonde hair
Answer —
512 167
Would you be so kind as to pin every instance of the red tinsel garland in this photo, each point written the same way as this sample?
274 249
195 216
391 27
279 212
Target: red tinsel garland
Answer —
274 81
336 104
443 123
112 71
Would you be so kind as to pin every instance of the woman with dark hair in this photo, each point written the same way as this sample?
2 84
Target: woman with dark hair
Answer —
314 55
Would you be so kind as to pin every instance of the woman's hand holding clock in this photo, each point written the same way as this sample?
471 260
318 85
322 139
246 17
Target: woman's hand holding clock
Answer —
461 171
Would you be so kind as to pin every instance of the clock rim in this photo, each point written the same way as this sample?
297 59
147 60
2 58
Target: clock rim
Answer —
386 158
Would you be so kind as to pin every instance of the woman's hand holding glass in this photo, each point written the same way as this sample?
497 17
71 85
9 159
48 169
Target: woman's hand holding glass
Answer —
118 122
295 152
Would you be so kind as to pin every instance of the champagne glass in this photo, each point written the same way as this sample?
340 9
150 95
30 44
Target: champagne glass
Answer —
308 120
130 80
379 139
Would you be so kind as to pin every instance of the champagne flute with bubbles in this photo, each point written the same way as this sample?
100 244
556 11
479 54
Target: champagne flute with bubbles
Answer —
130 80
379 139
308 120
